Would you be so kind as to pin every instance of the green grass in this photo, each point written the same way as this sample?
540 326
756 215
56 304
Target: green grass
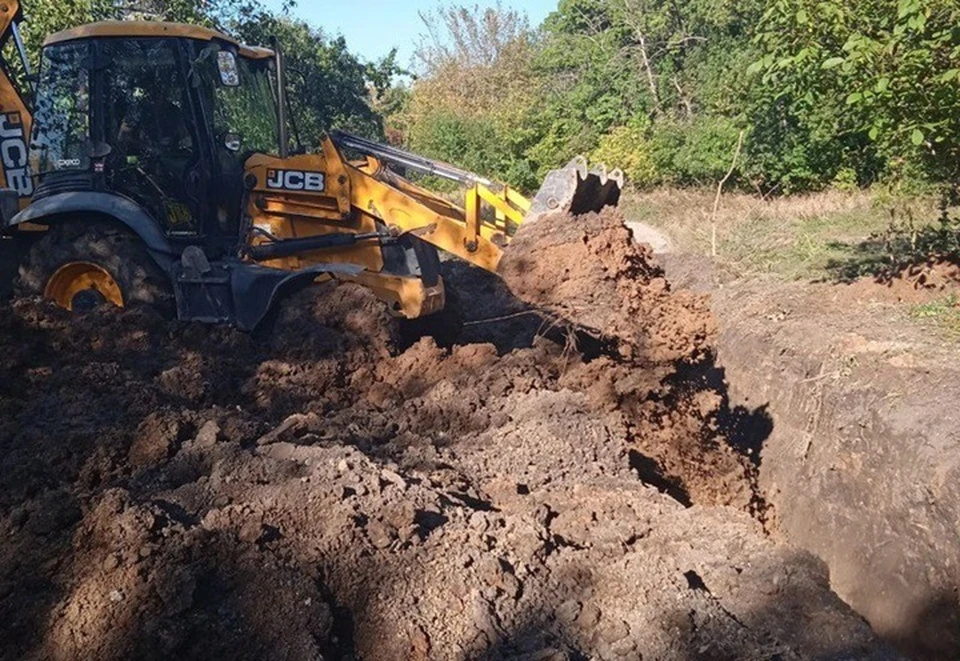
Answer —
798 247
943 313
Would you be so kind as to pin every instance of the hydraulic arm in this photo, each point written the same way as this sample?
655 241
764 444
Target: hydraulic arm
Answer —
478 230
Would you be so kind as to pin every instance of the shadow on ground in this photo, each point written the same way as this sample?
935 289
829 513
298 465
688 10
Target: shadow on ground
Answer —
907 251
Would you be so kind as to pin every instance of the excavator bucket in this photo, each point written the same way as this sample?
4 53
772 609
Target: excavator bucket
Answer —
576 189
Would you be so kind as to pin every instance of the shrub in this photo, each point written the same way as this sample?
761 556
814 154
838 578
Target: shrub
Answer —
627 148
695 152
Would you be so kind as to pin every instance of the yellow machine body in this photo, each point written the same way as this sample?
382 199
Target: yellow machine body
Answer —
291 205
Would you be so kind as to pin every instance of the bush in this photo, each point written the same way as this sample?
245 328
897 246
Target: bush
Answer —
695 152
627 148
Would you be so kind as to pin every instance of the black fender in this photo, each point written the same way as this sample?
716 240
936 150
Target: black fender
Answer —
50 210
257 289
239 293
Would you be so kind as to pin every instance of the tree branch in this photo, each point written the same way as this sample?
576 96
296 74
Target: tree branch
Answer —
716 201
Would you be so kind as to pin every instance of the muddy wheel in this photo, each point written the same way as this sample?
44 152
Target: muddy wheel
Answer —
83 265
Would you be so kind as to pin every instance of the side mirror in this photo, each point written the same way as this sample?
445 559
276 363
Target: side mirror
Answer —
98 149
232 142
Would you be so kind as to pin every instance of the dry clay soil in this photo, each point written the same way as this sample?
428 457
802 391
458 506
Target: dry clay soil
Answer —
340 488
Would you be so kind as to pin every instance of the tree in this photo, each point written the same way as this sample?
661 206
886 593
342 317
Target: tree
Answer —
876 82
474 91
328 85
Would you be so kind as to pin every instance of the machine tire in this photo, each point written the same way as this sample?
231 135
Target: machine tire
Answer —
103 249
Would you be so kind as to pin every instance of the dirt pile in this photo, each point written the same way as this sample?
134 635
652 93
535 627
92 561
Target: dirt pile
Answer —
588 270
656 349
171 490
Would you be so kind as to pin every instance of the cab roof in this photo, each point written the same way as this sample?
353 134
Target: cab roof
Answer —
153 29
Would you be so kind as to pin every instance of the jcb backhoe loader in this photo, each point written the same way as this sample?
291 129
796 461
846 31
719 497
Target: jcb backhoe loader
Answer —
155 159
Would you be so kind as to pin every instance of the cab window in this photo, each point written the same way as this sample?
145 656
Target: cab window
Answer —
62 110
243 99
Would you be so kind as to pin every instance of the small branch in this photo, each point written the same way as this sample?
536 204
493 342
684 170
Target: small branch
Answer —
651 81
644 55
716 201
685 40
683 98
505 317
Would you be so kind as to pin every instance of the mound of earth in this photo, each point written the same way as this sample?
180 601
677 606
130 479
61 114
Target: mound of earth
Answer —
589 271
322 492
657 348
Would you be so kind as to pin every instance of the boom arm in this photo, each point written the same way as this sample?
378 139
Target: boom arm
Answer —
471 232
491 212
16 121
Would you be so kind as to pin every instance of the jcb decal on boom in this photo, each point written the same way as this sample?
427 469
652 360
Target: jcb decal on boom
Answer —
312 182
13 154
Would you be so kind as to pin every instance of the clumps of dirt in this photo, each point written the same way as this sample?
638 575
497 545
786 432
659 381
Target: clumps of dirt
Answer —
587 270
176 490
917 282
657 349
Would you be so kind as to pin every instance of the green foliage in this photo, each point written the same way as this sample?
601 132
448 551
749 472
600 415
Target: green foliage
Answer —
696 152
585 83
628 148
876 81
475 97
829 92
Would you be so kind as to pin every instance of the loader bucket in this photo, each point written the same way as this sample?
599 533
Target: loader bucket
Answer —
576 189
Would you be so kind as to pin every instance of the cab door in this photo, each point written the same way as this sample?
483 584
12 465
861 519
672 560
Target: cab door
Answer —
155 154
238 102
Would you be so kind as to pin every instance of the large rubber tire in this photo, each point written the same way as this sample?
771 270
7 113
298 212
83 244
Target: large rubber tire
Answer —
110 247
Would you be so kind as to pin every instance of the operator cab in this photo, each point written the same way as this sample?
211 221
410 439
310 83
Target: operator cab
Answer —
164 114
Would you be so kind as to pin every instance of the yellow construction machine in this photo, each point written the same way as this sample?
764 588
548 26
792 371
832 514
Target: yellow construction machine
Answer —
157 160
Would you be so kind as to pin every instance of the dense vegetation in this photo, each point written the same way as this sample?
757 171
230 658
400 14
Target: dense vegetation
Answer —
826 92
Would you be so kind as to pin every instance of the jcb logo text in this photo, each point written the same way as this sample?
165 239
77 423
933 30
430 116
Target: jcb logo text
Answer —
13 154
312 182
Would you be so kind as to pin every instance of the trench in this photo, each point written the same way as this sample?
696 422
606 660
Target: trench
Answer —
864 486
854 444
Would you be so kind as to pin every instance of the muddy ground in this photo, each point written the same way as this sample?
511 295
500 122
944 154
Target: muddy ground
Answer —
341 488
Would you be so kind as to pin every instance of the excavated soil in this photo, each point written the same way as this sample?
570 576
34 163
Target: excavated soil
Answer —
340 489
587 272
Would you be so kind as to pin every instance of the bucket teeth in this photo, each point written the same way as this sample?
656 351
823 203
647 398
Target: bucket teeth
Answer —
576 189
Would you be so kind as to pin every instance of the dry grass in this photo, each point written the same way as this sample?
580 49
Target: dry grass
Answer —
798 237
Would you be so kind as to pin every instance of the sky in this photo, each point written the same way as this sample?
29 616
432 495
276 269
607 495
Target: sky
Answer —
373 27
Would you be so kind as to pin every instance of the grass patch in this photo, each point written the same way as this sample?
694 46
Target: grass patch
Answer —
943 313
819 236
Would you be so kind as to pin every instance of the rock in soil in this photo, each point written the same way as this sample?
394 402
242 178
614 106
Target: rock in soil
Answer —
424 503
